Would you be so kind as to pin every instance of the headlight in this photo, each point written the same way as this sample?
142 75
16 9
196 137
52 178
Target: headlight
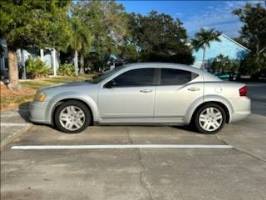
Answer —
40 96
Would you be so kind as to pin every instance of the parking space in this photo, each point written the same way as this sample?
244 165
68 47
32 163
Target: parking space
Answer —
193 168
138 173
12 125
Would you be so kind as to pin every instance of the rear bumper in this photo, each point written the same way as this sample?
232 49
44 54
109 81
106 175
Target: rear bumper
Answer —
38 112
239 116
242 109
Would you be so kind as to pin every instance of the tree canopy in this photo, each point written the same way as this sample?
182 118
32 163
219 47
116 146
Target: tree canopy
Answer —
159 37
202 40
107 22
34 23
204 37
253 35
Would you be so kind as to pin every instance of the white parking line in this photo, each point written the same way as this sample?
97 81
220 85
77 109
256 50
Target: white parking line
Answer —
123 146
9 115
15 124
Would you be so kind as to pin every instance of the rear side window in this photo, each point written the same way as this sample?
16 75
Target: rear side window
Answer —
136 77
176 76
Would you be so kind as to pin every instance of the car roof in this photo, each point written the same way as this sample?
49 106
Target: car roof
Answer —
163 65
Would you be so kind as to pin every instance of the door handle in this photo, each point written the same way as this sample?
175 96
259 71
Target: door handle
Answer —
146 90
193 89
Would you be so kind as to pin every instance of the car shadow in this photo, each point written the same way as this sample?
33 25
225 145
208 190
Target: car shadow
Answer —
23 111
186 128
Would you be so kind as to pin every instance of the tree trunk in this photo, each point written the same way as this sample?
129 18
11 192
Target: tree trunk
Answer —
13 70
76 62
203 59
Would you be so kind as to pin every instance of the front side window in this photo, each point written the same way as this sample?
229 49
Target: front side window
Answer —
135 78
176 76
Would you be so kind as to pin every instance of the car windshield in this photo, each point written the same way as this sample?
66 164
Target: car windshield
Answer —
98 78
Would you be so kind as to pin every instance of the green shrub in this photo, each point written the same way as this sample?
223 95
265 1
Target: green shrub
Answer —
36 68
66 70
223 64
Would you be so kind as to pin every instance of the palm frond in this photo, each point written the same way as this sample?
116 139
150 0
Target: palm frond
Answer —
204 37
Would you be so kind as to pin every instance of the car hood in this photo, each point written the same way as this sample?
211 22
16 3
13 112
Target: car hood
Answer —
68 87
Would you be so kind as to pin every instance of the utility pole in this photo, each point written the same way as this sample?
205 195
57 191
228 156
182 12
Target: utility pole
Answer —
24 74
42 55
54 61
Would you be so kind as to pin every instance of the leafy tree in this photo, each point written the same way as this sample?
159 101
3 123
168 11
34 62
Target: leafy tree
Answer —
129 52
31 23
80 40
253 35
107 22
203 38
159 37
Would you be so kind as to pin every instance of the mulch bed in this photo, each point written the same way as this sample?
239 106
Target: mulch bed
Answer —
7 96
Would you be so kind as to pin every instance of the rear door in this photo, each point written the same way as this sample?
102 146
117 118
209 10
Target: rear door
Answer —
176 91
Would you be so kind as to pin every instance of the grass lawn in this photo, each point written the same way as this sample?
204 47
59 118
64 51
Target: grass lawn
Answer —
12 99
38 83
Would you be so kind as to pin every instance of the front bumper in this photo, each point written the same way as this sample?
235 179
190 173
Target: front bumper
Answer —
38 112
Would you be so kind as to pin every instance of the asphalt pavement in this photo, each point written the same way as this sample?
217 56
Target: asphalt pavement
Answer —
257 93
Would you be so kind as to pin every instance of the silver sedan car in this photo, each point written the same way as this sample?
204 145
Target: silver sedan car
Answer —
143 93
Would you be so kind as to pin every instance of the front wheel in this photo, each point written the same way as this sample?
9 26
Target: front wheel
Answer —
72 117
210 119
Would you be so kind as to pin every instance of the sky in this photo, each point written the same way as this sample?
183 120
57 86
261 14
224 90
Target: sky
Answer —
195 14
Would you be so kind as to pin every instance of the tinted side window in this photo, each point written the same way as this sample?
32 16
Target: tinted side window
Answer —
135 77
176 76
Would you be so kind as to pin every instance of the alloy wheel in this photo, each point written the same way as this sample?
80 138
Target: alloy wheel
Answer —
210 119
72 118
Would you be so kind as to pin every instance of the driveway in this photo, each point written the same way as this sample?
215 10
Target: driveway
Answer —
193 168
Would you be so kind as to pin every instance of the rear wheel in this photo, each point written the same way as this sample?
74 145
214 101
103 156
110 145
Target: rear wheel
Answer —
210 118
72 117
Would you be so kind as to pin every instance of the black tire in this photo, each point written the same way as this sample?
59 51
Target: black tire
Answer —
75 103
196 120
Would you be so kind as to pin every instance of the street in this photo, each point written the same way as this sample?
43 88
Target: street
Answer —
257 92
236 172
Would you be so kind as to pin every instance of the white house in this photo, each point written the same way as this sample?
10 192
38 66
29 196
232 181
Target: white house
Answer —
48 55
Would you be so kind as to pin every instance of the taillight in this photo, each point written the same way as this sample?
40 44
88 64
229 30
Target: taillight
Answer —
243 91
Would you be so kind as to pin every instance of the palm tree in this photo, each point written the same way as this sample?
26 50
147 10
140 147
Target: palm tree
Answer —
203 38
80 41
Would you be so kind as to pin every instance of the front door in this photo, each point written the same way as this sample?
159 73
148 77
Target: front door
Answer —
129 96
